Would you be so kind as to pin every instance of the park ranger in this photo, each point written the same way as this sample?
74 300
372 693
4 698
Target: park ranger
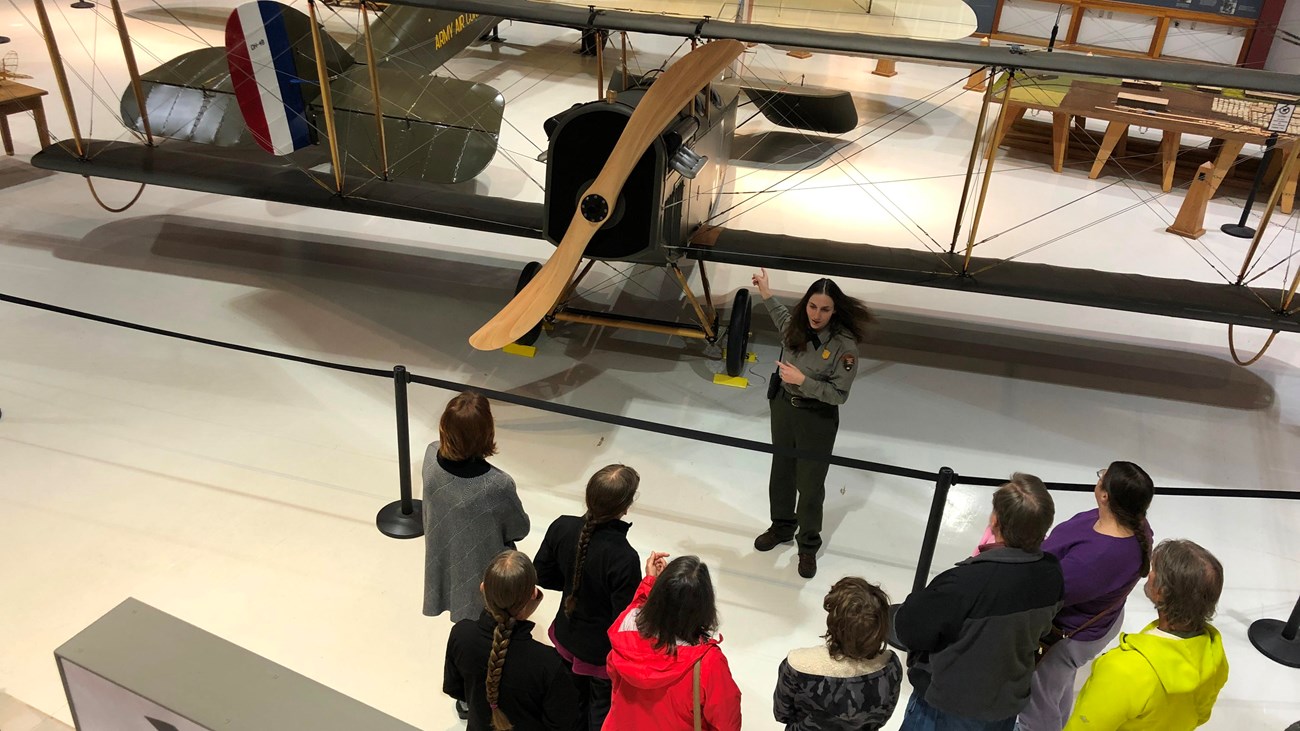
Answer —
819 359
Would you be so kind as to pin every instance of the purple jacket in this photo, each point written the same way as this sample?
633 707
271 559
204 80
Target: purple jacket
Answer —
1098 571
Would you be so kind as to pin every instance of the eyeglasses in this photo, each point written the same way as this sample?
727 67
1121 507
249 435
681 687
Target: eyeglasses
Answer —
1101 473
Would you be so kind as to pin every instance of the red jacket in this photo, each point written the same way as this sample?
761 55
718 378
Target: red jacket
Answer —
653 690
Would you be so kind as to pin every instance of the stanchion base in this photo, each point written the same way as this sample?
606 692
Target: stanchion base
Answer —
1241 232
4 39
394 523
82 5
1266 636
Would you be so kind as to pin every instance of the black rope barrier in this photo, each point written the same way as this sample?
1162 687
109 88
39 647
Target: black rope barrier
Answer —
627 421
403 518
678 431
192 338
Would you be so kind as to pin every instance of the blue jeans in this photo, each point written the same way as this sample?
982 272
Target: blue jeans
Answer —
922 716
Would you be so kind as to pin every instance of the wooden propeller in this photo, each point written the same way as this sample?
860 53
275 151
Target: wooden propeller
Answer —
667 95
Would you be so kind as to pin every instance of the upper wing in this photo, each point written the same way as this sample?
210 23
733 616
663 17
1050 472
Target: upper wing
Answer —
926 19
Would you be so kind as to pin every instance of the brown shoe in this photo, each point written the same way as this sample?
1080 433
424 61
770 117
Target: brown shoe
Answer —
807 564
770 539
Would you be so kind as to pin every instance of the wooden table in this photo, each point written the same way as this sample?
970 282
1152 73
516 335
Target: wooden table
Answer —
1189 111
16 98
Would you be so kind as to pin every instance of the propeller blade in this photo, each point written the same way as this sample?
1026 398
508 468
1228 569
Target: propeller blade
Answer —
676 87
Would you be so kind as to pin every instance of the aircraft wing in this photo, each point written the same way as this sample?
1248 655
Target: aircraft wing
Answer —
255 175
1183 298
252 173
931 19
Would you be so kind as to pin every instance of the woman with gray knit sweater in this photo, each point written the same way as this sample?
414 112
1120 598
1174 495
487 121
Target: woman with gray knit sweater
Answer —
471 510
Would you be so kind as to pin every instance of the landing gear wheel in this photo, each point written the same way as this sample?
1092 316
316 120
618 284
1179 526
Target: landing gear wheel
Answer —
738 333
529 271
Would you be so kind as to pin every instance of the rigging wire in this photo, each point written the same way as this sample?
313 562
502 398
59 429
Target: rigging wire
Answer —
1088 144
846 160
1286 277
906 108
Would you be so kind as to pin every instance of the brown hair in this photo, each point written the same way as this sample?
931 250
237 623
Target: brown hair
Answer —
1187 583
681 608
857 619
466 430
1130 490
850 315
509 584
610 493
1024 511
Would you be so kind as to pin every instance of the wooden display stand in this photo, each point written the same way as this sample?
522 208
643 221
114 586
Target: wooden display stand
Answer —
885 67
1190 221
16 98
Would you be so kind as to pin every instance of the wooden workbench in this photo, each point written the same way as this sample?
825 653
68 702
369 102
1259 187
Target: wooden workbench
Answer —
1077 98
16 98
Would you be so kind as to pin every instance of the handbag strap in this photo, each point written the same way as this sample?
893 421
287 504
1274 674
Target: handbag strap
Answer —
1117 603
695 693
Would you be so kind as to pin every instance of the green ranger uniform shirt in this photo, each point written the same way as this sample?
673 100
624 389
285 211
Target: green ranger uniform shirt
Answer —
829 370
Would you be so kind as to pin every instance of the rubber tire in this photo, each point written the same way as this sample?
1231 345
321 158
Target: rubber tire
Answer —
738 333
526 275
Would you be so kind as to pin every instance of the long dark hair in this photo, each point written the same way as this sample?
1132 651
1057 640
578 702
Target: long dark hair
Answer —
509 583
681 608
1130 489
610 493
850 316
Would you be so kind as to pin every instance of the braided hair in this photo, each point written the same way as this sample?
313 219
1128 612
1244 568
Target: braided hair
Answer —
509 584
1130 490
610 493
850 316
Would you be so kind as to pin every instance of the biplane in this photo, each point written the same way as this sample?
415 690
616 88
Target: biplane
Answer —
632 176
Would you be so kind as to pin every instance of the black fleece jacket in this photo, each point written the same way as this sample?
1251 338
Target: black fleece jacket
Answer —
972 633
536 693
610 575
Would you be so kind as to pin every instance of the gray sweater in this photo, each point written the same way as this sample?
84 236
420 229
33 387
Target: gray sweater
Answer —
471 513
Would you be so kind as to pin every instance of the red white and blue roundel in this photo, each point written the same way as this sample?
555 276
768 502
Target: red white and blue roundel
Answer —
265 77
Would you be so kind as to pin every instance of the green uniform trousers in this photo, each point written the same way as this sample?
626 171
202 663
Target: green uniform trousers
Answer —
797 487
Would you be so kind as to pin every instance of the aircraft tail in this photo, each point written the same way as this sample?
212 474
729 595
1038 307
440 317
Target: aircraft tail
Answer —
272 67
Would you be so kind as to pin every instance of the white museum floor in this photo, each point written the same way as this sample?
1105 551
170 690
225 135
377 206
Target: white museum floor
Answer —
238 492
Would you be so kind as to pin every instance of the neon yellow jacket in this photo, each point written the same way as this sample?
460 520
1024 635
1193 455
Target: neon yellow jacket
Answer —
1153 681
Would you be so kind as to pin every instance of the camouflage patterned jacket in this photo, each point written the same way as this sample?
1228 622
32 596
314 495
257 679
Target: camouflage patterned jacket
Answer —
815 692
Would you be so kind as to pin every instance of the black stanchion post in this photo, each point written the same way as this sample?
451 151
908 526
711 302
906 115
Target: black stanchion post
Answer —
1240 229
402 519
946 478
1277 641
940 499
